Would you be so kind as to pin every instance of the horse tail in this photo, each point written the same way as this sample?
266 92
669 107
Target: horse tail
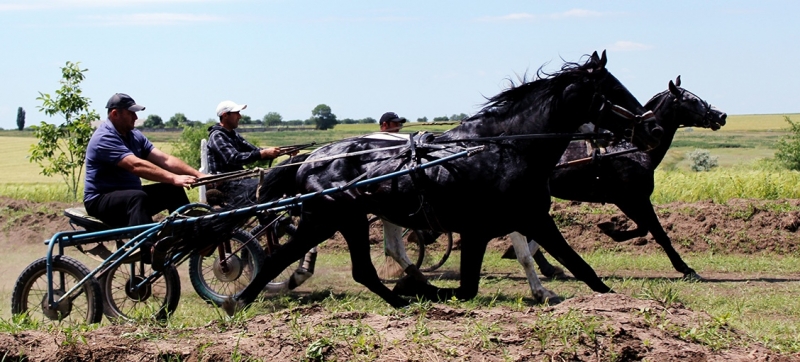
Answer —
280 181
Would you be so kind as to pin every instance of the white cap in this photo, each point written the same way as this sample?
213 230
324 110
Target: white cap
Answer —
229 106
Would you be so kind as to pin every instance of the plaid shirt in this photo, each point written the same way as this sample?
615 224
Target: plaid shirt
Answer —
228 151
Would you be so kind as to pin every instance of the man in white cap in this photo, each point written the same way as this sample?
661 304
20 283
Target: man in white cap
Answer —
228 151
117 158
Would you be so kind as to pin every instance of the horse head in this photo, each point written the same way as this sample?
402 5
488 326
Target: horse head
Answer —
613 107
692 111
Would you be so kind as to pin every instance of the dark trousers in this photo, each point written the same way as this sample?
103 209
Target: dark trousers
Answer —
136 207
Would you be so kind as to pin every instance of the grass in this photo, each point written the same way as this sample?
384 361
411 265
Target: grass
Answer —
751 293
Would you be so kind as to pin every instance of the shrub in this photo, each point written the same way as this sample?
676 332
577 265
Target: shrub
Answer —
788 147
702 160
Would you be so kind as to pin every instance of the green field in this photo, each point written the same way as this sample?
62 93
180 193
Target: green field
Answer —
739 147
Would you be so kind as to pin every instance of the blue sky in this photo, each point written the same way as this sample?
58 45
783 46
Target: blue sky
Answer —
362 58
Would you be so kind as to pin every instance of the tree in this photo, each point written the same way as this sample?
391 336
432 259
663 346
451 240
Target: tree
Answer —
459 117
788 147
154 121
323 118
273 119
246 119
187 146
61 149
368 120
20 118
423 119
441 119
177 121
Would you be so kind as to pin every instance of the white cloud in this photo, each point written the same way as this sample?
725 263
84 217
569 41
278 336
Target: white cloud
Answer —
62 4
573 13
153 19
624 45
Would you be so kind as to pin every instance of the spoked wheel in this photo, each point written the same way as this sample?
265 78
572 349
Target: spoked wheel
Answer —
30 293
272 235
388 269
226 269
123 300
437 249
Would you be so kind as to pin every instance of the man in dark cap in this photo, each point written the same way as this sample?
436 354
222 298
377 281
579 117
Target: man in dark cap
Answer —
117 157
391 122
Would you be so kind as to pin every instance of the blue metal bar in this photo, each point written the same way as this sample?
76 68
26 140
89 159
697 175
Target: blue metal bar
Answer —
151 229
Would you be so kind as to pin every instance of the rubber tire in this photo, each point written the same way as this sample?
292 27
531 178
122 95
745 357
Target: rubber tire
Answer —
389 271
91 290
166 304
436 254
207 288
280 282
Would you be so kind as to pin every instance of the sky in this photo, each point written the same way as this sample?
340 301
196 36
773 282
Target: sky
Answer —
363 58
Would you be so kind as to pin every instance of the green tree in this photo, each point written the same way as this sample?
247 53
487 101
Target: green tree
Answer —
246 119
273 119
422 119
61 149
187 146
177 121
368 120
323 118
20 118
459 117
441 119
788 147
154 121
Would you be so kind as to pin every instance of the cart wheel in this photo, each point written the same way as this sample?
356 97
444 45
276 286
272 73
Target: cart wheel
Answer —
388 269
30 293
437 249
155 300
273 236
215 278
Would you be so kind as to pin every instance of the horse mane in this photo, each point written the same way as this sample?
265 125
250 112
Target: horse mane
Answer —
543 86
655 98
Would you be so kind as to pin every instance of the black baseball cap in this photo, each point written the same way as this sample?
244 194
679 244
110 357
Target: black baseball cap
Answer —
391 117
123 101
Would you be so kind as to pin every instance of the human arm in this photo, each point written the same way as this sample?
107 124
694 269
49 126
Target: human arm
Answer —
160 167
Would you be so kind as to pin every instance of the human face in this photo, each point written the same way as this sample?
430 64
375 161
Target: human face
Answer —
230 120
123 120
391 126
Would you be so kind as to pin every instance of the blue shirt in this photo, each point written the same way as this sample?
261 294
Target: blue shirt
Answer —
106 149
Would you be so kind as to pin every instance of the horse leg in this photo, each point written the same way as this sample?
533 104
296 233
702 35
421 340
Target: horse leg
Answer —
356 234
546 233
307 236
549 270
472 251
644 215
526 260
397 250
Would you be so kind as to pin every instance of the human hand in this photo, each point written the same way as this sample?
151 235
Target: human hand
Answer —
270 152
183 180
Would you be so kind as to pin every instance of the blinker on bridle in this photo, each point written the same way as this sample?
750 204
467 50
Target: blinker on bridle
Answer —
624 113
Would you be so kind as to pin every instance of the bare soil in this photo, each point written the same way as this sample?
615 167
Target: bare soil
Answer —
630 329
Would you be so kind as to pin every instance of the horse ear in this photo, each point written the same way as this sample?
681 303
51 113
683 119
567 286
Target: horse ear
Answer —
603 60
674 88
594 57
678 81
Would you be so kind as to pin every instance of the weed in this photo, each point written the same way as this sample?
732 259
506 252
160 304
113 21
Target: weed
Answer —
316 350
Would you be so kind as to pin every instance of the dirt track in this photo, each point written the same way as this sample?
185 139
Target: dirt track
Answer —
629 329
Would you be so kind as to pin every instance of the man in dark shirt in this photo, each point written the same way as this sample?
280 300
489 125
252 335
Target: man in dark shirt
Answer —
117 157
228 151
391 122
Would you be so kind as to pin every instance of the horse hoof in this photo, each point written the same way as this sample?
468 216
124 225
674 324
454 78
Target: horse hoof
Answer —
231 306
552 300
406 286
692 277
557 274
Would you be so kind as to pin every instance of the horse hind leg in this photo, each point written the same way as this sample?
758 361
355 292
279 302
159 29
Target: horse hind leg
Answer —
396 249
643 214
539 292
549 270
355 231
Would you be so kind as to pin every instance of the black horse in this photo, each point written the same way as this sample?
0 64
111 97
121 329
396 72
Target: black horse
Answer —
626 180
470 195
